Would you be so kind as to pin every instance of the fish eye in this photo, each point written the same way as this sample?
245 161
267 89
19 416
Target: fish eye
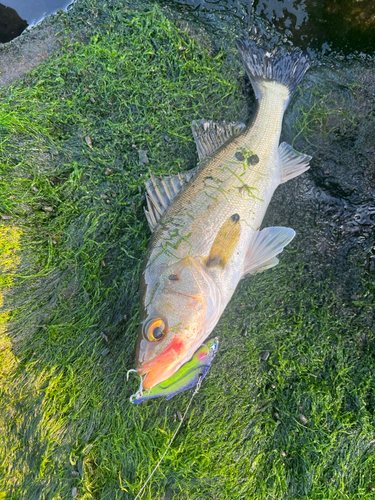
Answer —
155 330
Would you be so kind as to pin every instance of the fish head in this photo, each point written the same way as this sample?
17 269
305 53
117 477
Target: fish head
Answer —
181 308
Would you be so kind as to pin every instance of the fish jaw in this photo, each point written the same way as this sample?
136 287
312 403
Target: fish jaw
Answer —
164 365
186 377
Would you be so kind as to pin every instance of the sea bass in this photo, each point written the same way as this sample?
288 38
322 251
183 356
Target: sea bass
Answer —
206 222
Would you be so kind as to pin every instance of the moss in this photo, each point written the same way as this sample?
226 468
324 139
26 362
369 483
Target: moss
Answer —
9 252
287 408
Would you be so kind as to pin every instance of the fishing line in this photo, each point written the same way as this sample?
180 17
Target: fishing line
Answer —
174 435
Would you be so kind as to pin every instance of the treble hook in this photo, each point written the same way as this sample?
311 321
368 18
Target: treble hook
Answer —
139 393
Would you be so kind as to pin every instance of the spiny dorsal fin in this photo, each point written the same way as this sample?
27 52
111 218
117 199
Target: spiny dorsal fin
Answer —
209 136
160 193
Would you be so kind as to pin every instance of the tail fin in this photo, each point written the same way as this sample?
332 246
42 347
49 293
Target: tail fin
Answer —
286 68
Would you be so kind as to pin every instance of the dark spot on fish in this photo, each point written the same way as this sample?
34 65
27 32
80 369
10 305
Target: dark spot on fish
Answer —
208 178
240 189
253 160
213 261
174 277
239 156
235 217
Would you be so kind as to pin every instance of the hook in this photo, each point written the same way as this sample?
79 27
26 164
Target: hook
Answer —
139 393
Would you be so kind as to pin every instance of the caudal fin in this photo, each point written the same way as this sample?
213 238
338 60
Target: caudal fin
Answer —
286 68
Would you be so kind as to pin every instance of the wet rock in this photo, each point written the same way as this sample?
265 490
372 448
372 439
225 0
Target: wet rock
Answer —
25 53
265 356
11 24
303 419
143 159
332 206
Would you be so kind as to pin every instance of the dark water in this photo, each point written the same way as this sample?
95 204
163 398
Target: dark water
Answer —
16 15
318 26
344 25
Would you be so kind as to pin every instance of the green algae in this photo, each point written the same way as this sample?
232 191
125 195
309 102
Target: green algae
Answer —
287 408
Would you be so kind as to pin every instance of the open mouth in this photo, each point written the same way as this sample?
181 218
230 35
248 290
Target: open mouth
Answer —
163 365
186 377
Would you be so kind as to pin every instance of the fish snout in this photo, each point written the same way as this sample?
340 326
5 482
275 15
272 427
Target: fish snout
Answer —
154 377
164 365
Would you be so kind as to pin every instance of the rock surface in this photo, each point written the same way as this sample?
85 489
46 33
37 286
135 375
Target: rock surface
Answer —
332 206
25 53
11 25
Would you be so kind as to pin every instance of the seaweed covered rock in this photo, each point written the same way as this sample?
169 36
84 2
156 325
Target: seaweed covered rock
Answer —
287 408
333 206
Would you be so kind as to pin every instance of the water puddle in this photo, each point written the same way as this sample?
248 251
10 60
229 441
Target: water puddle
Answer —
340 25
324 26
17 15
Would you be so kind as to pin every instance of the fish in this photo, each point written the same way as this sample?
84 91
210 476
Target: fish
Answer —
206 223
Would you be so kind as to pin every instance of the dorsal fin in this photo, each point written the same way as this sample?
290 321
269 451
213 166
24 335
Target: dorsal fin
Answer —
209 136
160 193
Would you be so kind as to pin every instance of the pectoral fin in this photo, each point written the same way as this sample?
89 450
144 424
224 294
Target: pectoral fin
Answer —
292 163
225 242
265 246
266 265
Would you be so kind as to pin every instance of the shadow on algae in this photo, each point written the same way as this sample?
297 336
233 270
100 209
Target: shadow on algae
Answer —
287 410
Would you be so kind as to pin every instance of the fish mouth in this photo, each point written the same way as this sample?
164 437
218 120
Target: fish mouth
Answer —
164 365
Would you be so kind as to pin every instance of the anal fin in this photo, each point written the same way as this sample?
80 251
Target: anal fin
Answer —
292 163
265 246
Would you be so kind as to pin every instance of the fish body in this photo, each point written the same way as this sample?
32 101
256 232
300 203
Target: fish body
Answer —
206 232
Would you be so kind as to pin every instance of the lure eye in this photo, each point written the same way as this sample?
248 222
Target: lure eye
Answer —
155 330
